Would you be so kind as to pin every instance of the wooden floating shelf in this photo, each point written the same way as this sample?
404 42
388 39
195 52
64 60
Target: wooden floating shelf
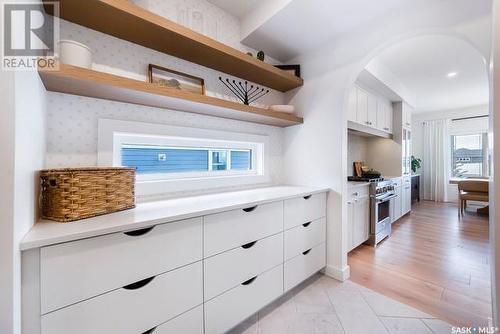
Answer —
84 82
124 20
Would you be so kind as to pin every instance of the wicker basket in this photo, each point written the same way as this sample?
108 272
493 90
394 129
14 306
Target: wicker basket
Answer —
77 193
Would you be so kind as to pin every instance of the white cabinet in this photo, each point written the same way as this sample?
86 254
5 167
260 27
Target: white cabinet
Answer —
301 210
115 260
353 105
303 266
406 117
396 205
406 195
369 109
384 115
362 110
131 309
358 216
372 110
200 275
227 310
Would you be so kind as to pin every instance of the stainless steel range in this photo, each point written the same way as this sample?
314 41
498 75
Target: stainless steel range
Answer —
381 193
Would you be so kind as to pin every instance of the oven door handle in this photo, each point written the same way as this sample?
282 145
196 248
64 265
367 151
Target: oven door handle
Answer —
385 199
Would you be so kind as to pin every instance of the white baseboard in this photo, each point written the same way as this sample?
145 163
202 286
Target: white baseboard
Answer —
337 273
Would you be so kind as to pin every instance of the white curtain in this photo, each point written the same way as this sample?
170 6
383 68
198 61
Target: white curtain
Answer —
436 160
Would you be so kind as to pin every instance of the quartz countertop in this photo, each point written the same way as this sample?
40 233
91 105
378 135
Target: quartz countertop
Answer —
46 232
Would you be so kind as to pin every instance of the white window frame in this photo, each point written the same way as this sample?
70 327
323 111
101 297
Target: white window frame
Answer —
112 134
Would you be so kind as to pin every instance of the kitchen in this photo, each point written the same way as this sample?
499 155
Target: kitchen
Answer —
379 149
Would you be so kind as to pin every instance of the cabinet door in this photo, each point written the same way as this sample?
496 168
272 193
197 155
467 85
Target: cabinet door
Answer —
372 110
406 195
381 115
353 104
362 107
407 115
388 117
361 220
350 224
397 204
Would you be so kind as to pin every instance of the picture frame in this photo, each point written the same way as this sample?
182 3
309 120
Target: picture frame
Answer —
292 69
168 78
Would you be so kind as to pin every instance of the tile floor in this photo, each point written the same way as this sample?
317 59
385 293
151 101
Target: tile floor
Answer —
324 305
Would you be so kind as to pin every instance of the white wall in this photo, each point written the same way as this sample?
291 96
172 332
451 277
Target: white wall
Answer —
418 133
7 139
72 120
316 152
23 149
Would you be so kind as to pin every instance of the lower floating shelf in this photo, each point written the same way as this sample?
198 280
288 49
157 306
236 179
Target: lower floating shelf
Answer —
84 82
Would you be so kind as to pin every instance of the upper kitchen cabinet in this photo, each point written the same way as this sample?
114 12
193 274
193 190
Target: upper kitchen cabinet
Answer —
369 110
362 107
406 117
384 115
353 105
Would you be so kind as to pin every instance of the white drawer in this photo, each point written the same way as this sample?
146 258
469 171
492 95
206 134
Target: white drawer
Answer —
79 270
231 229
354 192
229 269
131 310
304 265
304 237
229 309
304 209
190 322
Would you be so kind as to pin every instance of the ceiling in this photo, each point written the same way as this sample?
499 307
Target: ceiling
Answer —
422 65
291 31
239 8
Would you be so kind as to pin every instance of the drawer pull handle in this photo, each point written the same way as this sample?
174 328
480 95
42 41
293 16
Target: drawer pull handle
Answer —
306 252
250 209
307 197
249 245
140 284
306 224
150 331
250 281
137 233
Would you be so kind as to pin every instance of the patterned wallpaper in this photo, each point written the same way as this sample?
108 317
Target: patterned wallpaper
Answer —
72 120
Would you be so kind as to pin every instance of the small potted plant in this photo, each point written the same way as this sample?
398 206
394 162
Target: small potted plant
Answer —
416 163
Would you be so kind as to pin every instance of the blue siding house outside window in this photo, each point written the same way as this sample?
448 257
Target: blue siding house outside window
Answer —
156 159
241 160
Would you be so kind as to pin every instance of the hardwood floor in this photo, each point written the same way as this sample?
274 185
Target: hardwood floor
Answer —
434 262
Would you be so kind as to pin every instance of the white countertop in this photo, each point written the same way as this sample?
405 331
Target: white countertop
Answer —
47 232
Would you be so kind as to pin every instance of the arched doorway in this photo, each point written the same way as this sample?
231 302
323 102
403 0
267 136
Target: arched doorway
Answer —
346 163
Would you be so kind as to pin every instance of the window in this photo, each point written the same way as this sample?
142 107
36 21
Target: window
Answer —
170 159
469 155
151 159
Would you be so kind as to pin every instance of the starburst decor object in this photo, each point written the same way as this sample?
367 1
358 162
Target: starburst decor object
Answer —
243 91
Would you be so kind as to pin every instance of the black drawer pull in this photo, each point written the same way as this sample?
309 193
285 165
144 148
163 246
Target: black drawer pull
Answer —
307 197
250 281
137 233
249 245
306 224
140 284
150 331
306 252
250 209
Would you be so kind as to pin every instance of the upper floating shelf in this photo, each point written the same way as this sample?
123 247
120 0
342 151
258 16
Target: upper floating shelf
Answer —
124 20
85 82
